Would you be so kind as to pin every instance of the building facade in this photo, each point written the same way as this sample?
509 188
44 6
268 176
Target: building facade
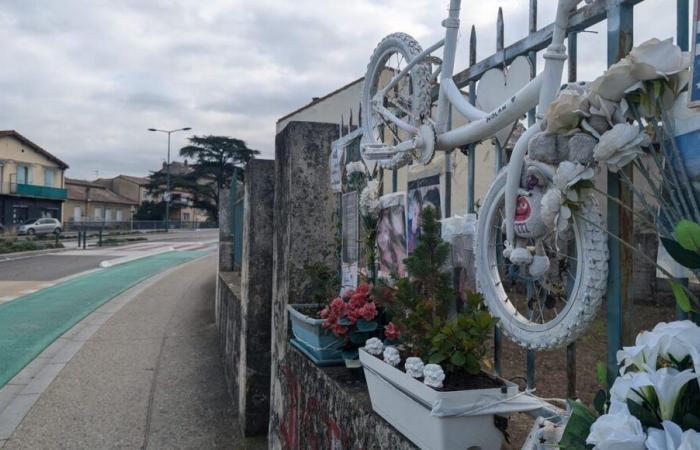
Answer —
181 200
133 188
92 202
31 181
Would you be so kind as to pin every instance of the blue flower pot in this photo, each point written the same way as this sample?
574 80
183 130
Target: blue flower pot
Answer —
319 344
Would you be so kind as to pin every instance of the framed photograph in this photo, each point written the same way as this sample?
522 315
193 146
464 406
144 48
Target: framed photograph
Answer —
694 89
391 235
421 194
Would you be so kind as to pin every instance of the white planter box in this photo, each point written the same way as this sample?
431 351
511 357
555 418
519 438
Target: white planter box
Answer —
406 403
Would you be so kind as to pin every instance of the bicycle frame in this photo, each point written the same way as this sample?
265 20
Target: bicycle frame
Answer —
539 92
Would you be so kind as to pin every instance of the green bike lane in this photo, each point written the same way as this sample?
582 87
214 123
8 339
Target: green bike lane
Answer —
30 323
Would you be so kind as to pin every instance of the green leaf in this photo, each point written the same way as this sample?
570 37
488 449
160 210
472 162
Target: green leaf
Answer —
599 401
458 359
681 296
684 257
363 325
601 373
646 417
437 358
688 235
578 427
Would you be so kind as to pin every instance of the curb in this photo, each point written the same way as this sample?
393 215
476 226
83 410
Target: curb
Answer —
20 255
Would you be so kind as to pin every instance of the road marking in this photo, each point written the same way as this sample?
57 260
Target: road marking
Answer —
24 389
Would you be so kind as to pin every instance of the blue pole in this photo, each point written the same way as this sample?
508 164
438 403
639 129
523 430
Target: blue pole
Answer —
620 223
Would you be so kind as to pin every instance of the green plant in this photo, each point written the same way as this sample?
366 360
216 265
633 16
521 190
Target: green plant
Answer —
685 250
369 222
322 283
420 307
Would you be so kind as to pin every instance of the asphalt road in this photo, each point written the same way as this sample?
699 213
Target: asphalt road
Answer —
29 273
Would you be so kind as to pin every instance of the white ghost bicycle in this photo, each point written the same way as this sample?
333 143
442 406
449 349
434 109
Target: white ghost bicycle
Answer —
543 285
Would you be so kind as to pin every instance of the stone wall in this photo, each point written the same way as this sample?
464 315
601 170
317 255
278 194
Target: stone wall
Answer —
244 302
256 299
304 232
327 408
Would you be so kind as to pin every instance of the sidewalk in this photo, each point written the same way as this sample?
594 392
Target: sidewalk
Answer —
150 377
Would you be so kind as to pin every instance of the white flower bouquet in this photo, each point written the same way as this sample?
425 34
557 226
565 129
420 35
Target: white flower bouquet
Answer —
655 402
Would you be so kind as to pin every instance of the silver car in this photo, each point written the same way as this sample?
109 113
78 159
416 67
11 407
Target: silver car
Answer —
44 225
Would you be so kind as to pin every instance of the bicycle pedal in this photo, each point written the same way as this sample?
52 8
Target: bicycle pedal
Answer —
376 152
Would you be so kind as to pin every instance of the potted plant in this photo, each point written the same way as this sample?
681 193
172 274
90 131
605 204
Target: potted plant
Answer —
316 342
431 387
355 317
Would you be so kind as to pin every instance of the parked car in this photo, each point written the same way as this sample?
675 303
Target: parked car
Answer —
44 225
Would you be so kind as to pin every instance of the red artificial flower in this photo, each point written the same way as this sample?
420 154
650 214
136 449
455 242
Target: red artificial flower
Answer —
357 301
340 330
363 289
324 313
337 305
392 332
369 311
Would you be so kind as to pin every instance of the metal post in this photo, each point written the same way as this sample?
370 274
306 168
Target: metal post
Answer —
531 118
682 13
167 183
571 348
471 147
448 184
620 266
394 180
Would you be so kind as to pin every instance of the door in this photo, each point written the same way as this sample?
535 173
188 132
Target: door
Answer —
45 226
77 214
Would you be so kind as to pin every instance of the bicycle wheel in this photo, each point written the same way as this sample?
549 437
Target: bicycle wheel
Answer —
409 100
552 310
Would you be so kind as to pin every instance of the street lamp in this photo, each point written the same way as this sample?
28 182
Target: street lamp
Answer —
167 172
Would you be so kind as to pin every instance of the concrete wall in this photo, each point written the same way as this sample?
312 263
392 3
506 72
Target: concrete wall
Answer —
304 232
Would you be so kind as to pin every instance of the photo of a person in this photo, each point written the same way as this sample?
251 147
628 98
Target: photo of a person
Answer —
391 236
421 193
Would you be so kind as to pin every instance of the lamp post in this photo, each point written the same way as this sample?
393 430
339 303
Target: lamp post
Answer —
167 175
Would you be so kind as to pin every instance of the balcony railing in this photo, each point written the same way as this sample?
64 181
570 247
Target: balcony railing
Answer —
32 190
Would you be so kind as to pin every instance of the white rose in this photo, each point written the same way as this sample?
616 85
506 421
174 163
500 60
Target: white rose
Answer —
433 375
569 173
374 346
620 145
657 59
566 111
391 356
616 432
414 367
369 198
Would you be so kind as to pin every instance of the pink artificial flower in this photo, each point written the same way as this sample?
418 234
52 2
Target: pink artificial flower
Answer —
340 330
324 313
369 311
392 332
357 301
337 304
363 289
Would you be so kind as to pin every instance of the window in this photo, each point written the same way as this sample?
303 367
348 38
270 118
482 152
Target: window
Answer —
24 174
108 215
48 177
120 216
77 214
98 213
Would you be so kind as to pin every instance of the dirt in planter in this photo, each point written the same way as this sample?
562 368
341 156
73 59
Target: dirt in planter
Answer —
312 311
458 381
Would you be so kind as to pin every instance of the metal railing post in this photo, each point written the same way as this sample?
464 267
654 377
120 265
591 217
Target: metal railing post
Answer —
620 221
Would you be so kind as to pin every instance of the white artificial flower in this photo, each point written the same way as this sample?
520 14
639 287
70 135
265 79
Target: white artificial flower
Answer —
677 339
566 111
616 432
433 375
690 440
667 439
391 356
414 367
666 383
620 145
354 167
620 392
369 198
614 82
374 346
550 204
569 173
657 59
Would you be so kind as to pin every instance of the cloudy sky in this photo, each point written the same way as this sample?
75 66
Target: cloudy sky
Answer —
86 78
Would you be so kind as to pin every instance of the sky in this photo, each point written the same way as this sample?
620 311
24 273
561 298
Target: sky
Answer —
85 79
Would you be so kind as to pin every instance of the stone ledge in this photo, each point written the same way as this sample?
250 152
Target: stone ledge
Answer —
329 408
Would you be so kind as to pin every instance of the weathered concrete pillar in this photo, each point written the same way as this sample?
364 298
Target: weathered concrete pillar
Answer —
304 232
256 298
